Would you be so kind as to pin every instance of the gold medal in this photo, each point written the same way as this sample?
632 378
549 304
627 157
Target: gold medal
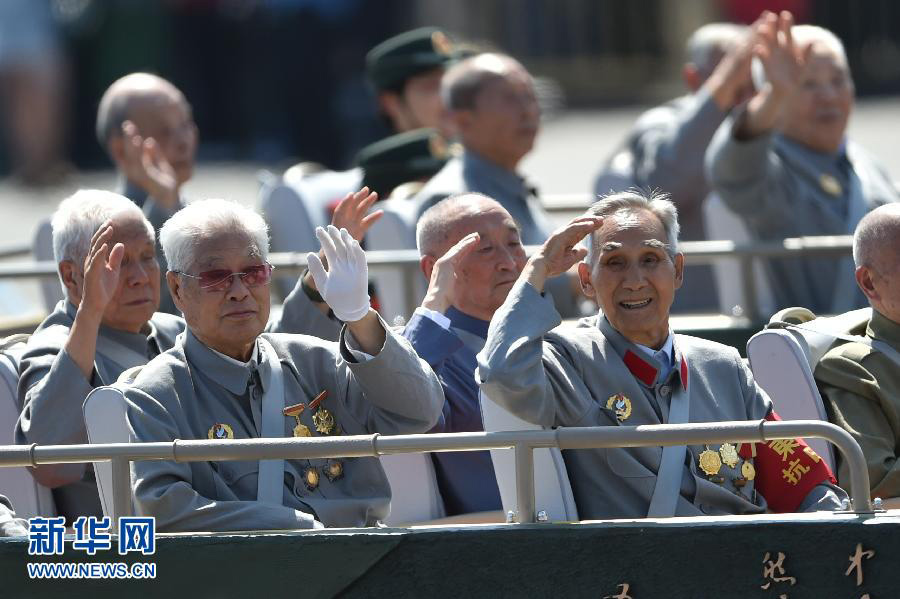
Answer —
621 405
311 478
301 430
748 471
324 421
710 462
334 470
729 455
220 431
830 185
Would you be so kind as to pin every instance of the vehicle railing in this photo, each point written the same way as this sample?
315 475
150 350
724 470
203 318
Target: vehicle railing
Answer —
407 262
523 444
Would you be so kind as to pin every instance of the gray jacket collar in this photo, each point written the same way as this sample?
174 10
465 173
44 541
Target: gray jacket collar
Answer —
503 182
646 369
229 374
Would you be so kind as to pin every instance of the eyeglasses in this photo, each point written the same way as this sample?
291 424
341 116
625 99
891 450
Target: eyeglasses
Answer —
220 279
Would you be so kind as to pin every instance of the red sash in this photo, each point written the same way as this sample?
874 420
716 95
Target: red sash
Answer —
786 470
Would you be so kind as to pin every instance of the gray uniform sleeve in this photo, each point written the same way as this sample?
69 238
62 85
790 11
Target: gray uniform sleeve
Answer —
394 392
164 489
300 315
534 379
51 392
670 145
748 177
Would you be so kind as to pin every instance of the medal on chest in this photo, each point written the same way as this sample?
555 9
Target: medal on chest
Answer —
220 431
621 405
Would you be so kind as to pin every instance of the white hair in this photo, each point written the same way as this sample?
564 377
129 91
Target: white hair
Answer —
810 34
632 201
709 42
80 215
204 219
878 230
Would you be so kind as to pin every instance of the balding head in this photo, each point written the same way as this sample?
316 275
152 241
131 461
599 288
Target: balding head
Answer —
492 105
486 273
158 110
876 252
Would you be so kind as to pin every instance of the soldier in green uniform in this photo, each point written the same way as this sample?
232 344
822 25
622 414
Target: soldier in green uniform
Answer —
860 381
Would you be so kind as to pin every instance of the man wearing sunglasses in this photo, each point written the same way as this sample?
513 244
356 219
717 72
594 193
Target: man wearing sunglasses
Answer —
105 249
228 379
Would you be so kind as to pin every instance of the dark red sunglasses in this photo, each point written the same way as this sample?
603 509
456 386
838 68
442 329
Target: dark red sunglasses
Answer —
220 279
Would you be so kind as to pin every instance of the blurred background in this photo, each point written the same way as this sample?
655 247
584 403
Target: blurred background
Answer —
276 81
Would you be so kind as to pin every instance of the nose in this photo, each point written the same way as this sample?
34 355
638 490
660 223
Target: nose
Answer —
237 289
506 259
137 274
634 278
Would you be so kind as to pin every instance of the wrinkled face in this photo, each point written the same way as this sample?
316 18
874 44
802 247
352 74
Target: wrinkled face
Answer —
137 295
231 319
505 120
489 271
167 118
817 114
632 277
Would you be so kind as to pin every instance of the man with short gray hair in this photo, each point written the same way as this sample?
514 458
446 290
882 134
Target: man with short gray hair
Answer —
784 165
665 148
227 379
860 380
106 252
625 366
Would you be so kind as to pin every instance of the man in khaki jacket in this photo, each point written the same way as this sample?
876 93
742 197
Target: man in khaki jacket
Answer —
860 381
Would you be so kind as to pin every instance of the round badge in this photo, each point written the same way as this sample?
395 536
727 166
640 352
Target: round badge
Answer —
220 431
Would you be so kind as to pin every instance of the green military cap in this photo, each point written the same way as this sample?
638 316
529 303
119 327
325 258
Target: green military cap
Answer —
395 60
410 156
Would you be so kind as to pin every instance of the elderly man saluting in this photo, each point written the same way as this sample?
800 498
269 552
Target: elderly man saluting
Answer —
105 249
224 379
626 367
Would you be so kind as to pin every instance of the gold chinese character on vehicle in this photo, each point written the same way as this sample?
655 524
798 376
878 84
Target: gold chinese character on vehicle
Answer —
784 447
856 562
623 592
794 472
773 571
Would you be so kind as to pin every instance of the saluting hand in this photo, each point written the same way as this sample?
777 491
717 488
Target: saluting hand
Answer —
560 252
146 166
445 275
101 271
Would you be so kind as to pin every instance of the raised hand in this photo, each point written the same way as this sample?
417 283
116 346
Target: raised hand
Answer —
145 165
102 266
781 59
445 277
560 252
730 82
344 286
351 213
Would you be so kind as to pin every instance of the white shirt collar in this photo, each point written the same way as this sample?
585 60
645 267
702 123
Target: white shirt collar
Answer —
665 355
254 357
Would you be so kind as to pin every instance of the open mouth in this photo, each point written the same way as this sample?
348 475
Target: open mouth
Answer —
635 305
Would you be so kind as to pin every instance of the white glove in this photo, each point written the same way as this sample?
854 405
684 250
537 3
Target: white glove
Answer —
345 285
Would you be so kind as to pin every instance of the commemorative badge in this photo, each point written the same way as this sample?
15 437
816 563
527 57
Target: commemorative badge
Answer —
621 405
322 418
710 461
729 455
300 430
220 431
830 185
311 478
748 471
334 469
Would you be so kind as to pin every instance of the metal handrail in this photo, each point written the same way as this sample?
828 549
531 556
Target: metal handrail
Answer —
522 442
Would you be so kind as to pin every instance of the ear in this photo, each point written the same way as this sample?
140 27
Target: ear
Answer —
691 76
389 102
584 276
426 263
865 281
679 270
71 279
175 289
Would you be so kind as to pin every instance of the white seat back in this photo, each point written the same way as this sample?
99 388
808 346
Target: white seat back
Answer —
395 230
414 492
552 491
780 367
27 496
721 223
104 418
